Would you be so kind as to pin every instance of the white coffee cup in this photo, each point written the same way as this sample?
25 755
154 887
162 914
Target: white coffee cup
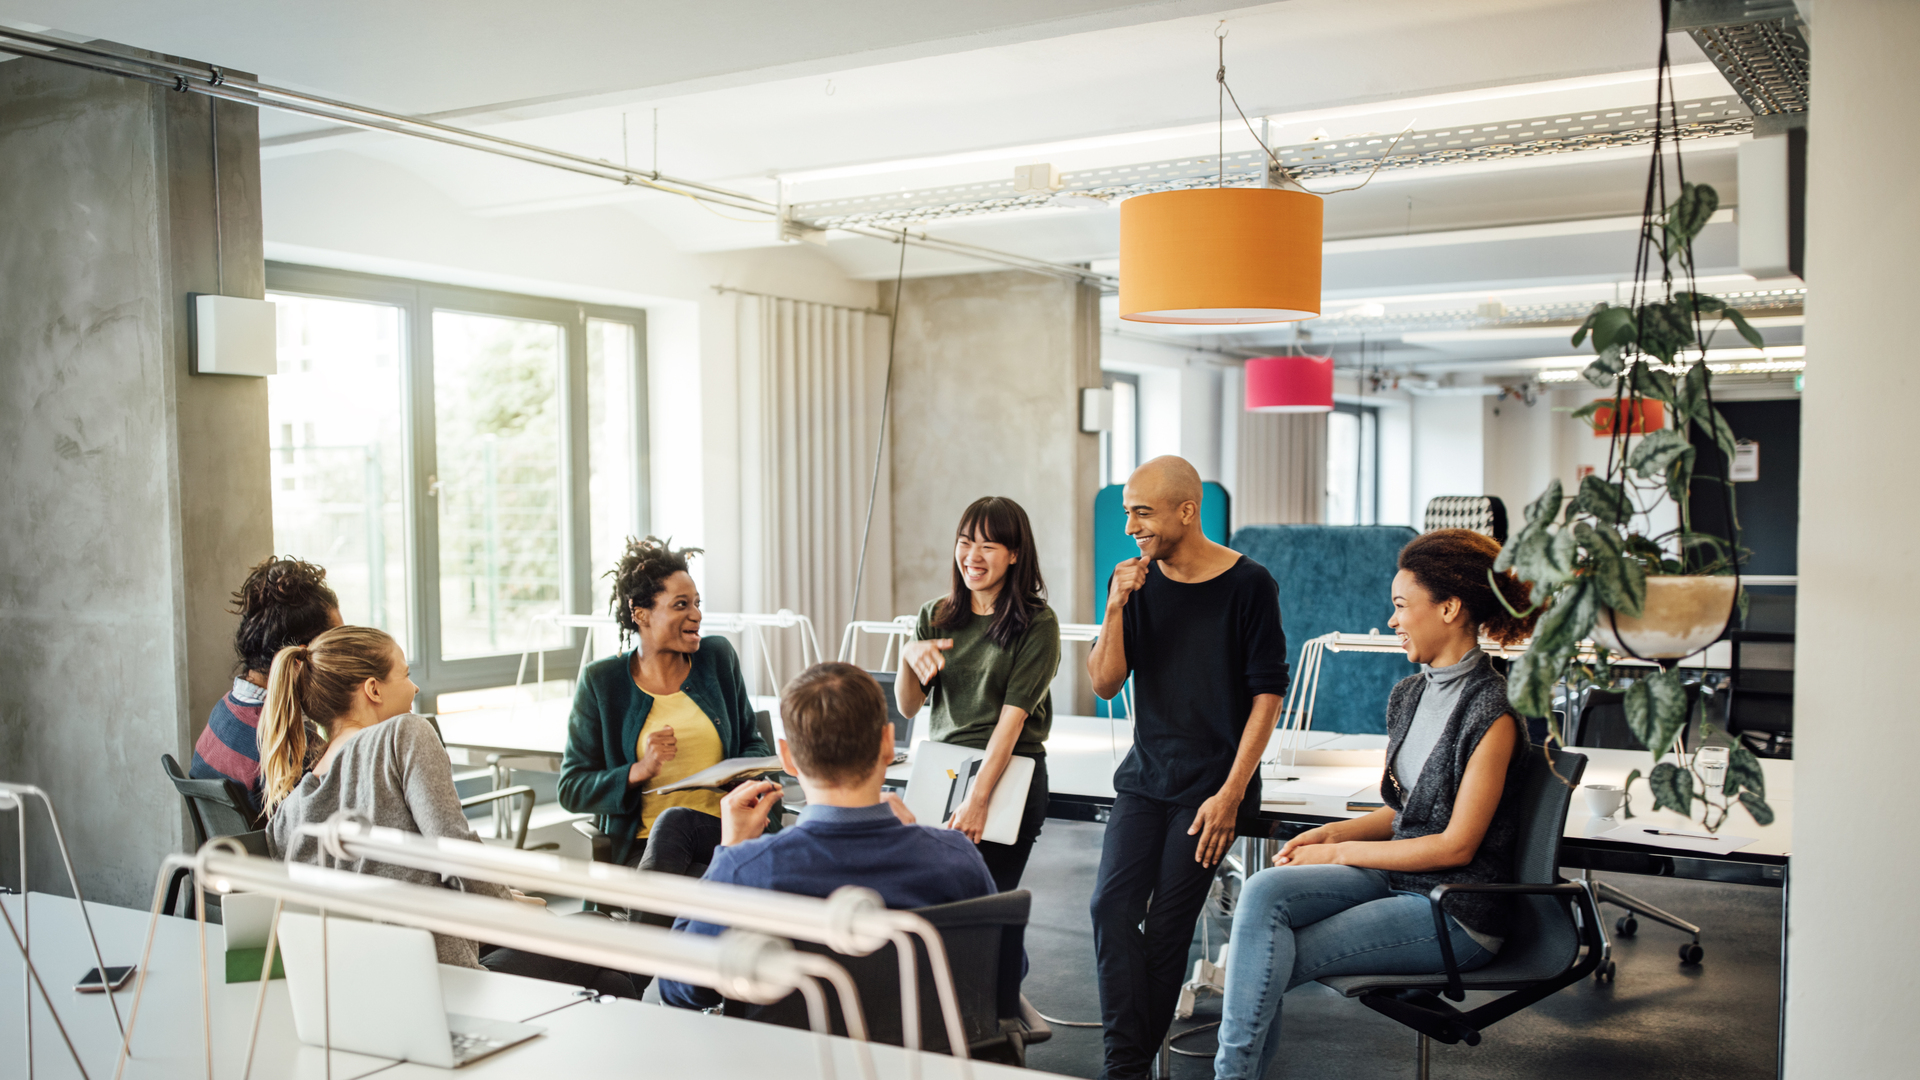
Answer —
1604 800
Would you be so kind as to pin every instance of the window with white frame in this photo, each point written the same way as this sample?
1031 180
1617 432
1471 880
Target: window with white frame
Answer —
1353 465
463 462
1120 444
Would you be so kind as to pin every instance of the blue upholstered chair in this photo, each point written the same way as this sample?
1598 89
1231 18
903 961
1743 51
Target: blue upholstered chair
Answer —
1336 578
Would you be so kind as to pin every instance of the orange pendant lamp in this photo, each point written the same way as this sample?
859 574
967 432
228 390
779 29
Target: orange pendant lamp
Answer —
1220 256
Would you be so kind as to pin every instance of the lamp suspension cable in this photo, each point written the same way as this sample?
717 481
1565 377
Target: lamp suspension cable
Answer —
880 444
205 79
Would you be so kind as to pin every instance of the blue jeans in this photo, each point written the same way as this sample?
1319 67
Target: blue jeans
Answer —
1295 924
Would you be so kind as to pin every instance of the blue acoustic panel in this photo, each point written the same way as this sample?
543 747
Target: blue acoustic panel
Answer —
1336 578
1112 546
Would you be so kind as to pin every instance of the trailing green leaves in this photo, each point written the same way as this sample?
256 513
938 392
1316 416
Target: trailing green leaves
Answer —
1757 806
1605 368
1689 214
1665 455
1620 582
1626 808
1612 327
1657 710
1745 328
1748 783
1672 788
1606 502
1530 684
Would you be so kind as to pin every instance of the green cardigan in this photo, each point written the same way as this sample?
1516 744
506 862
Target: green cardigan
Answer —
604 731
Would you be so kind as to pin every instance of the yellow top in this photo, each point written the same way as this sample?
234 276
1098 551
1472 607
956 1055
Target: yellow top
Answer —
698 747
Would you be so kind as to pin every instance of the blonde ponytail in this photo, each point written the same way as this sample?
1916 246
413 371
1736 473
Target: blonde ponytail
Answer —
283 728
314 682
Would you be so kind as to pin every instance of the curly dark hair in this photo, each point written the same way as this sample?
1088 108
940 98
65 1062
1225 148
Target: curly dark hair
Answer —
284 601
642 571
1458 564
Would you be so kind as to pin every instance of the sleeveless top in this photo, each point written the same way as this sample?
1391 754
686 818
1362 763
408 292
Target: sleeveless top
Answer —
1426 807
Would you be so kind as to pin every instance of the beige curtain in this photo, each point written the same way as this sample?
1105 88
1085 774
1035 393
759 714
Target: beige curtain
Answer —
811 379
1278 461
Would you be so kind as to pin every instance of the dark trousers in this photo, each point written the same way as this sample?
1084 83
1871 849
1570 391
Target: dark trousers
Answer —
1006 862
681 842
1147 871
531 965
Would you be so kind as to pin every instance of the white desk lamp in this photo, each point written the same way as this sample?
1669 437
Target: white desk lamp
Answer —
739 963
853 920
14 797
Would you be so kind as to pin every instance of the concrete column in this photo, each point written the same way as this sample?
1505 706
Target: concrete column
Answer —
986 401
1854 944
137 493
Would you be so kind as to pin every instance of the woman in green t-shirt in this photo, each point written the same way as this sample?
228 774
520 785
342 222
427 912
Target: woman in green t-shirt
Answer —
984 656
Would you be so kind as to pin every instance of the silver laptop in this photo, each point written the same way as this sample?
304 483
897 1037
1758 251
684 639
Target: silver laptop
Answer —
380 995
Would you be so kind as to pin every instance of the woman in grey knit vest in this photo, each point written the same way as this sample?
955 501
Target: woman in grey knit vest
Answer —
1350 897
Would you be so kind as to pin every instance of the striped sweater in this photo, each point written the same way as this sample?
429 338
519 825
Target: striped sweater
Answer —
229 747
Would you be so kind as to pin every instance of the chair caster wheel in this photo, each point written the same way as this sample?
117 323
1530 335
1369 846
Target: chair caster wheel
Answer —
1626 926
1604 973
1691 952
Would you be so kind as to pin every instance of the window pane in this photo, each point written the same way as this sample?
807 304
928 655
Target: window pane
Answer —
1343 466
496 415
1124 446
338 471
611 462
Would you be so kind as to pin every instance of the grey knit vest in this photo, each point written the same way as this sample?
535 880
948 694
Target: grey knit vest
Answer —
1427 807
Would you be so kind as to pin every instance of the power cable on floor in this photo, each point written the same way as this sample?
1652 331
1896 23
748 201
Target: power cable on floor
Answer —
1068 1023
1171 1039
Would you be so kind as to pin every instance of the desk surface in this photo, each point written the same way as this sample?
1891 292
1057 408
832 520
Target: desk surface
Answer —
585 1037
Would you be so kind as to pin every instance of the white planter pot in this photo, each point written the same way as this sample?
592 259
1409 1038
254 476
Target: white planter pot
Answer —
1682 616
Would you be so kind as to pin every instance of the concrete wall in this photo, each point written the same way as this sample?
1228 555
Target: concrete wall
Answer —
136 492
1449 448
1853 945
987 378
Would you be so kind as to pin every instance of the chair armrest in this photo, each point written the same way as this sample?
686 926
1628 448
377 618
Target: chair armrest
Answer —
1589 922
526 807
601 842
1038 1030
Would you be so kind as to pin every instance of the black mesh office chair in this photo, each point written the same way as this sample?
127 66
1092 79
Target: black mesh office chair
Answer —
984 939
1547 949
214 808
1602 724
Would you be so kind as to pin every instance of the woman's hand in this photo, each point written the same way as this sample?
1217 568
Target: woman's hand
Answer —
970 818
661 749
899 807
744 811
1293 853
926 658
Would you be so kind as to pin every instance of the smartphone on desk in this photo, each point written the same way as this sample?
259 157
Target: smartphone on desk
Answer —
117 979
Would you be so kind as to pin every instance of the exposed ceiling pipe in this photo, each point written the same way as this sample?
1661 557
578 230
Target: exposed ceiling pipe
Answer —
216 82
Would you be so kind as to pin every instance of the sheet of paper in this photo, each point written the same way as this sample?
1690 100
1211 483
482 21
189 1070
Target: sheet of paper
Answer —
1307 782
1652 835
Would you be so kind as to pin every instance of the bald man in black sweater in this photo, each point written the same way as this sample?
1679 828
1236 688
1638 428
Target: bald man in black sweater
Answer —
1197 626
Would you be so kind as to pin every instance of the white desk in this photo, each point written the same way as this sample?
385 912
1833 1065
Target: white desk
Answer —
614 1037
584 1038
167 1041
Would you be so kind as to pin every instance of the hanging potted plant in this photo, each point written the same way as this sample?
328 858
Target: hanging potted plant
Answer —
1589 558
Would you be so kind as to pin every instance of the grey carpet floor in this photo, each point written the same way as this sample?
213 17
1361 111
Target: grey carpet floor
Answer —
1719 1019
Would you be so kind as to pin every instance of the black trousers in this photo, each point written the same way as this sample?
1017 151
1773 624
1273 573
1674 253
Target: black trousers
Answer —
605 980
1006 862
1147 872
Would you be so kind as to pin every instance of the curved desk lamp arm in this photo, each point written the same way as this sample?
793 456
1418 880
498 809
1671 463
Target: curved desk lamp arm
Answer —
13 796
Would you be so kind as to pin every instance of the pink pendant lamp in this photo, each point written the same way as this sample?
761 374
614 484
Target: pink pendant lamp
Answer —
1290 384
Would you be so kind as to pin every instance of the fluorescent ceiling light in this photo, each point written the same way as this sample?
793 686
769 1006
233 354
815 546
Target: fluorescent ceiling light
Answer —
1773 358
1040 151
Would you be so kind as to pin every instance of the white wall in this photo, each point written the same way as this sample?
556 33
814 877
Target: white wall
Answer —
1179 399
345 210
1854 944
1449 449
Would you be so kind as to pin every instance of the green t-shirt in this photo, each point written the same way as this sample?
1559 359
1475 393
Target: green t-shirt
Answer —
980 677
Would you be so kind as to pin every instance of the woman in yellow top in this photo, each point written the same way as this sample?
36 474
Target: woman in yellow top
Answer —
658 713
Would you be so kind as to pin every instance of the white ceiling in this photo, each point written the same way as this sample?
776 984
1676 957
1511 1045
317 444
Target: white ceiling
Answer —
861 96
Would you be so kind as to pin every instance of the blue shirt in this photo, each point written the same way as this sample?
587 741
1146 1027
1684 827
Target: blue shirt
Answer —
910 866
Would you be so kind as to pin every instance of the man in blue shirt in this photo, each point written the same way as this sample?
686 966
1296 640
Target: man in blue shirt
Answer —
839 744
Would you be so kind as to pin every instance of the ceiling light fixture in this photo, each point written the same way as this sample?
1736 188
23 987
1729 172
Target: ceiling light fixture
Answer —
1220 255
1290 384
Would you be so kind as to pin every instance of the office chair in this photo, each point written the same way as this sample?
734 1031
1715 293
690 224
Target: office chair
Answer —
1760 700
1602 724
214 808
984 939
1554 941
1481 513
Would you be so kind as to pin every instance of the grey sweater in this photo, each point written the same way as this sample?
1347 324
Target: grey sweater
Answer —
394 774
1426 807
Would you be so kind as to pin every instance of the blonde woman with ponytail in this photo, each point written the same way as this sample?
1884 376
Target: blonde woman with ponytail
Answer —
378 760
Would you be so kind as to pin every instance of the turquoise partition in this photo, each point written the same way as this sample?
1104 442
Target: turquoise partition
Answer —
1336 578
1112 546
